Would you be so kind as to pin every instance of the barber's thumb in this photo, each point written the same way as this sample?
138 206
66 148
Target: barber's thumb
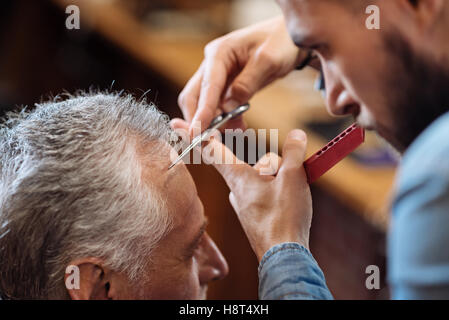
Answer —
294 150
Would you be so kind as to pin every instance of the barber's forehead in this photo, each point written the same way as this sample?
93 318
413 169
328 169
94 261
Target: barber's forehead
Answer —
297 3
301 13
306 8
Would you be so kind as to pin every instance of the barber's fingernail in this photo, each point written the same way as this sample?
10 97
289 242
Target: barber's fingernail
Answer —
230 105
298 135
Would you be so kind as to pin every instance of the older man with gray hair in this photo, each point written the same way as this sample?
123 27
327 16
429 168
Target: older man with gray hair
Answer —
84 186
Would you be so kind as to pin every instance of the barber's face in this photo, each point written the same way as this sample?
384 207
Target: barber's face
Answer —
187 259
380 77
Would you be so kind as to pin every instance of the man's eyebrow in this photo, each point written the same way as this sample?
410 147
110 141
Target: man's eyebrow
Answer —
194 243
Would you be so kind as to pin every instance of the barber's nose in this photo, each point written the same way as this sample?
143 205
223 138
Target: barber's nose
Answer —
339 101
213 265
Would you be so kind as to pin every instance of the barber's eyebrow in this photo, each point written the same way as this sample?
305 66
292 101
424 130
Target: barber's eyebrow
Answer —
195 242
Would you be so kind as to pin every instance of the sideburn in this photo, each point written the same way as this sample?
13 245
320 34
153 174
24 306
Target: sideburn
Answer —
418 89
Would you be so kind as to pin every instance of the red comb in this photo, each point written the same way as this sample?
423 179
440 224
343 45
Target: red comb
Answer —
333 152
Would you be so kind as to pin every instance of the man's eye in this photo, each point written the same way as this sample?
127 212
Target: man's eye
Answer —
189 255
193 250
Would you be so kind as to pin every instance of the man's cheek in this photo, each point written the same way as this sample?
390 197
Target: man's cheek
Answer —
189 283
203 295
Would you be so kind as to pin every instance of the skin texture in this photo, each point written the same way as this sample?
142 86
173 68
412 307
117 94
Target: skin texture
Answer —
184 262
366 77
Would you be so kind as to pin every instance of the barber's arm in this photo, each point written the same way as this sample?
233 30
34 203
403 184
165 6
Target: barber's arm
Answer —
235 67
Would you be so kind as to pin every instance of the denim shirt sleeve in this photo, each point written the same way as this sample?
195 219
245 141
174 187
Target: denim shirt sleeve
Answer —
288 271
418 265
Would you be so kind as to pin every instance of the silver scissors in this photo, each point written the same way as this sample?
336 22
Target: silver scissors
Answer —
216 123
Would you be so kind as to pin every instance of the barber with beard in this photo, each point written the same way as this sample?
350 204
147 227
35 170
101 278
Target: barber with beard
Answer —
394 80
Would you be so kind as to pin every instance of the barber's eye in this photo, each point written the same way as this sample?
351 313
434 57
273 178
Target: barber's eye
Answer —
321 50
314 56
309 57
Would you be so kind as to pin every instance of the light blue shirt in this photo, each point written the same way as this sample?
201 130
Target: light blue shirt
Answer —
418 240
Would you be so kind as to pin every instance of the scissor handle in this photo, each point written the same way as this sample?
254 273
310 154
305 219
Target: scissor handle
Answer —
239 110
225 117
216 120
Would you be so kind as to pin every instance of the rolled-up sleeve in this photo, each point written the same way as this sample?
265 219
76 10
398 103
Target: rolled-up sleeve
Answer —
288 271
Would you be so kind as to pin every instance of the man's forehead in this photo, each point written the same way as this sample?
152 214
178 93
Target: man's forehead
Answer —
156 159
183 200
176 184
179 178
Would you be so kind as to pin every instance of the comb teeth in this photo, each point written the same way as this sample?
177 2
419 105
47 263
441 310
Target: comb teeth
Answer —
335 151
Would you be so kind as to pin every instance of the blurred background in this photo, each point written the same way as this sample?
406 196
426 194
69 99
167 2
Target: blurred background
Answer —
157 45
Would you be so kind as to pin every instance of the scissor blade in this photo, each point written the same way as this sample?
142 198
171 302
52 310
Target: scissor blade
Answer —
183 154
216 124
194 143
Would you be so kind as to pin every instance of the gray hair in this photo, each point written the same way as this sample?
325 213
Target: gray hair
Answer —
71 186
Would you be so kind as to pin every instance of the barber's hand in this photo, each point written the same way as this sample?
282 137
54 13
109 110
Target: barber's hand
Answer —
235 67
272 209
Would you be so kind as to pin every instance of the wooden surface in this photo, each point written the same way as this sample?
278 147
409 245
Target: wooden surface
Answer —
281 106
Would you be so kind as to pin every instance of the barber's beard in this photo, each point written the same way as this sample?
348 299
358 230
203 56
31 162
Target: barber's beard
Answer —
417 92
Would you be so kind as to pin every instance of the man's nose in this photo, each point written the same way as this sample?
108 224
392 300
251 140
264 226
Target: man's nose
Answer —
339 101
213 264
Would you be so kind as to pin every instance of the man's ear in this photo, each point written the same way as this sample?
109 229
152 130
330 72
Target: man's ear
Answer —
424 12
88 279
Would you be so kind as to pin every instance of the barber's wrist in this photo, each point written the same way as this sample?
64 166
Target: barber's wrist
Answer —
282 247
263 250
